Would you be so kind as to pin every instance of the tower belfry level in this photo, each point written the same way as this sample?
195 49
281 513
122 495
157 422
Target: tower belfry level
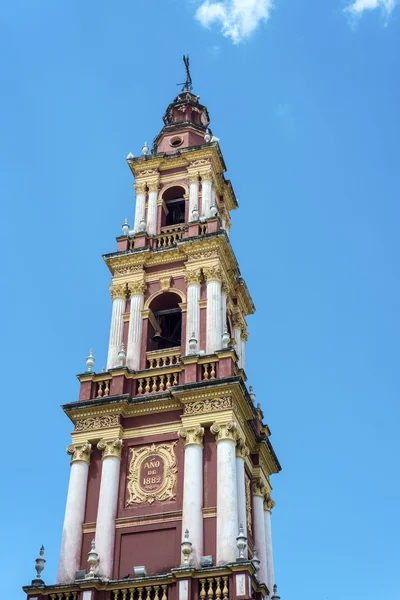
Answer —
170 495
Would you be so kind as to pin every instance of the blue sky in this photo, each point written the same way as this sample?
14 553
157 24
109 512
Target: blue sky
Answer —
304 97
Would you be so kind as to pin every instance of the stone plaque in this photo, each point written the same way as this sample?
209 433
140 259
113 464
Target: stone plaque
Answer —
152 474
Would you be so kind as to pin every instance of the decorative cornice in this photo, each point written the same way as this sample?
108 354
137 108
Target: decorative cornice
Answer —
242 450
258 487
207 406
225 431
213 273
110 447
99 422
193 436
193 276
268 503
118 290
80 452
137 287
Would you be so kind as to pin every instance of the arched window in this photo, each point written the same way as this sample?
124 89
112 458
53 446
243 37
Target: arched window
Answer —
175 206
165 322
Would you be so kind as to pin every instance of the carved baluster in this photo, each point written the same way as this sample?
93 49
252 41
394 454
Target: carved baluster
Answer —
124 594
175 382
60 596
116 594
154 385
162 386
100 389
74 595
132 593
168 380
107 388
156 590
147 388
210 593
203 589
140 387
205 372
225 590
158 362
212 374
53 596
164 594
148 591
140 592
218 591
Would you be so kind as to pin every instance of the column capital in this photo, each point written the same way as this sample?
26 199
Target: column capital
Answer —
153 186
193 436
118 290
225 431
137 287
110 447
268 502
213 273
242 450
258 487
225 288
80 452
206 175
194 178
193 276
140 187
244 336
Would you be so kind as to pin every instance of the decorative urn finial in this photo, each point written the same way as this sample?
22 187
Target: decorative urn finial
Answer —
92 560
252 394
241 543
255 560
39 566
226 338
186 546
125 227
275 596
142 224
192 344
90 360
122 356
145 149
195 213
213 210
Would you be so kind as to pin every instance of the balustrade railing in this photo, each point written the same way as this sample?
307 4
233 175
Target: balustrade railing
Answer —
203 228
157 383
103 388
64 596
163 358
209 371
167 239
214 588
149 592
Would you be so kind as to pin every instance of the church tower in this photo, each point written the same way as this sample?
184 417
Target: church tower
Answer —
169 495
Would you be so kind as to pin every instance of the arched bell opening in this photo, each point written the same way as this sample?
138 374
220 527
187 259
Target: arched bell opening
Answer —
165 322
174 212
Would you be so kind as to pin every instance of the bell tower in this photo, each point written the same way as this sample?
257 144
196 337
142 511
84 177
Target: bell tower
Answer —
169 495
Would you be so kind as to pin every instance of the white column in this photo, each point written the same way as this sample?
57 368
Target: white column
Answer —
268 506
243 340
238 345
259 529
227 504
136 290
118 294
192 511
224 295
71 544
193 279
214 310
140 206
241 453
193 197
107 508
206 197
152 209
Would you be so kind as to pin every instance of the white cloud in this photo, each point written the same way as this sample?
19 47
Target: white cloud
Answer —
238 19
357 7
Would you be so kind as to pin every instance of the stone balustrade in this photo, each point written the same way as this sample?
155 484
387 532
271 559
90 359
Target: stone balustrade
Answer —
163 358
149 592
214 588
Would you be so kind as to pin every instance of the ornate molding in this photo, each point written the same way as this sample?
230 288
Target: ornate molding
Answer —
111 447
137 287
249 520
100 422
80 452
193 178
165 283
153 186
206 406
213 273
258 487
118 290
140 187
152 474
225 431
192 435
193 276
268 503
242 450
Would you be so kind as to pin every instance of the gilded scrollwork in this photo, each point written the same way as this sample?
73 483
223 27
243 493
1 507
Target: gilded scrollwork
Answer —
152 474
165 283
249 520
241 448
213 273
268 502
80 451
193 276
137 287
118 290
258 486
206 406
99 422
192 435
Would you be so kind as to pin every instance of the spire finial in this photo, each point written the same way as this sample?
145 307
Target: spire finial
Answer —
39 566
187 85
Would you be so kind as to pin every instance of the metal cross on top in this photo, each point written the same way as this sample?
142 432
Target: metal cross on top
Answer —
187 85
